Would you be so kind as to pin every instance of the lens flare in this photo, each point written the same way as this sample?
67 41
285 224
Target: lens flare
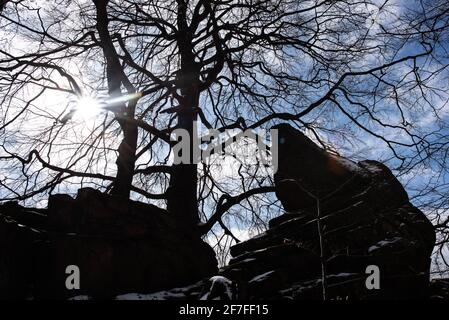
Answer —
87 107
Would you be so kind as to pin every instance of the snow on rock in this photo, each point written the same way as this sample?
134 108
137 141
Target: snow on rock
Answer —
342 275
262 277
181 293
384 243
373 167
161 295
220 289
80 297
348 164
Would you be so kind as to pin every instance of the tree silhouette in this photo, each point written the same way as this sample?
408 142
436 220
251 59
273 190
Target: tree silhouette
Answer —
343 71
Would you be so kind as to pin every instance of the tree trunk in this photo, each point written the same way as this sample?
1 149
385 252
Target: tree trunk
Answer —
126 160
182 192
116 77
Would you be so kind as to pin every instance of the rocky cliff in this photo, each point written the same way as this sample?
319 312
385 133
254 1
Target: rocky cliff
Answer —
119 247
341 219
365 219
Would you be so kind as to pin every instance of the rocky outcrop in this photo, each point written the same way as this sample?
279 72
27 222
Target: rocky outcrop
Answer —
439 289
366 219
119 246
341 217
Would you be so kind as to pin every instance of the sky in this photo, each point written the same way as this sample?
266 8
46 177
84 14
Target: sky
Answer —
330 121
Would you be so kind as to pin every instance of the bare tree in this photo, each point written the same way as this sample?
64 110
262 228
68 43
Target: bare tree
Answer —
343 71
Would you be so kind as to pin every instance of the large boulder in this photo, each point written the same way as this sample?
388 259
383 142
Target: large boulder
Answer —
119 246
366 219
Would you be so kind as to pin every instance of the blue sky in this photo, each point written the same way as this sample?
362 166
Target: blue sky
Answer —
334 127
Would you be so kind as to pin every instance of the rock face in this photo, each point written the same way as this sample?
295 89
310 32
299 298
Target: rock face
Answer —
119 247
366 219
341 217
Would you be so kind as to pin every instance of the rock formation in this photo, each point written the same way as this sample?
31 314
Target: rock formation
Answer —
119 247
341 217
366 219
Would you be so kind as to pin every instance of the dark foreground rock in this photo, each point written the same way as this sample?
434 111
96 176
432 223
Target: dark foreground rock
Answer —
122 248
366 219
439 289
119 247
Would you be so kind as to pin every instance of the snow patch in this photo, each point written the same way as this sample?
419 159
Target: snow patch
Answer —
80 297
262 277
172 294
372 167
384 243
342 275
161 295
219 281
348 164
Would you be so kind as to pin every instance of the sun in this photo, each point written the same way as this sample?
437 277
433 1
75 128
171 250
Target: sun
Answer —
87 107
